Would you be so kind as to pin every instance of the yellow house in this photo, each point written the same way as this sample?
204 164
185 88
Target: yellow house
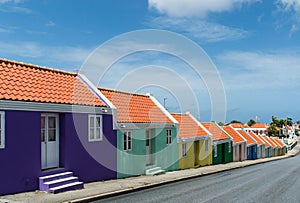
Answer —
195 142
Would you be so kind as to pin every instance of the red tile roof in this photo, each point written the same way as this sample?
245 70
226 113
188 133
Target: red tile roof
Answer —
188 127
135 108
259 125
250 141
216 132
267 143
271 142
238 125
277 141
234 134
257 138
25 82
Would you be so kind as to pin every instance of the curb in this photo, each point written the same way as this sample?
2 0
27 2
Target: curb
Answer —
156 184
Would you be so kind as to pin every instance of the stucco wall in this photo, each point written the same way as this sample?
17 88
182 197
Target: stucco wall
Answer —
204 157
20 159
189 160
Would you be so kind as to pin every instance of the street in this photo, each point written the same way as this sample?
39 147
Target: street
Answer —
276 181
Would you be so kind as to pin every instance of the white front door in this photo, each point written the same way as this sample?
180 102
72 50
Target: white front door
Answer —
50 140
148 147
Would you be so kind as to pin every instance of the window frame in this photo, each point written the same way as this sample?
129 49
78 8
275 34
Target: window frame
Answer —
127 143
206 146
229 147
168 136
184 151
215 150
95 139
2 130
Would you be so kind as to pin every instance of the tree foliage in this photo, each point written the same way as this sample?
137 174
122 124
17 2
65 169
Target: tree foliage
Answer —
251 122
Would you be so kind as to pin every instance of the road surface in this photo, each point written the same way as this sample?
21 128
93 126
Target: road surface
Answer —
276 181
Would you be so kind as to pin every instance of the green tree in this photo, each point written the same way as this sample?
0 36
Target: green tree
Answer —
235 121
251 122
272 130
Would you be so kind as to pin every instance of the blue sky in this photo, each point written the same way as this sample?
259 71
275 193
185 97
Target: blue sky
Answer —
254 44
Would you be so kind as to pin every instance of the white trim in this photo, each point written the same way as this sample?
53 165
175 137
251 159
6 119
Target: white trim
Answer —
2 128
51 107
162 109
168 136
206 145
128 147
95 90
95 128
215 150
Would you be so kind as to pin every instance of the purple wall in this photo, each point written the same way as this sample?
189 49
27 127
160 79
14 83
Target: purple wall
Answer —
21 158
88 160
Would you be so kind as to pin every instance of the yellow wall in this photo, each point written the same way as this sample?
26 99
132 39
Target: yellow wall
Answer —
204 157
188 161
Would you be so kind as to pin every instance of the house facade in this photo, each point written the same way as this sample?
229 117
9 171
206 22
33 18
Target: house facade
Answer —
146 134
259 129
194 142
51 122
261 147
222 148
239 144
251 145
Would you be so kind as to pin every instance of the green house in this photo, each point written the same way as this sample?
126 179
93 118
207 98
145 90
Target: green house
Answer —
146 134
222 144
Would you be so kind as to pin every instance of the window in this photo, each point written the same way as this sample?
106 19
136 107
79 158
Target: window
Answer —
95 128
229 147
2 130
215 150
184 150
206 145
169 136
127 141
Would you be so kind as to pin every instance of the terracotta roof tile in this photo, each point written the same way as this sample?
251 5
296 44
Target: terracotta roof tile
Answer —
257 138
135 108
250 141
238 125
188 127
216 132
25 82
259 125
271 142
277 142
234 134
266 141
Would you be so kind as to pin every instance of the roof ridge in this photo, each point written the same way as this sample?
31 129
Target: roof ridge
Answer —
29 65
122 92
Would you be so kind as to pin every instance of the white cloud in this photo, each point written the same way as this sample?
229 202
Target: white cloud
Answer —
57 54
199 29
50 24
188 8
10 1
290 5
260 70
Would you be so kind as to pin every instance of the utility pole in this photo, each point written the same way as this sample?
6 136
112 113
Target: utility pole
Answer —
165 102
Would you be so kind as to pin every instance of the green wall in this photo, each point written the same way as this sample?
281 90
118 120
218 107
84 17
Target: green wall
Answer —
223 154
133 163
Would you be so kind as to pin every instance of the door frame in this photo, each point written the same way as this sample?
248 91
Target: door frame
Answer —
57 130
148 147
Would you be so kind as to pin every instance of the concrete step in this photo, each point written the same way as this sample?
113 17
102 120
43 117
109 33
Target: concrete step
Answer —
59 182
55 176
67 187
154 171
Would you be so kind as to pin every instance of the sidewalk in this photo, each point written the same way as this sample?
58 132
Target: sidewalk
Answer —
96 190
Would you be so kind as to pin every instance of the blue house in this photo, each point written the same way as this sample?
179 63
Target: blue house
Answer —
54 124
251 145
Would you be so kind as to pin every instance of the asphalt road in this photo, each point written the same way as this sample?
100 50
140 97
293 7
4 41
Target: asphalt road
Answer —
276 181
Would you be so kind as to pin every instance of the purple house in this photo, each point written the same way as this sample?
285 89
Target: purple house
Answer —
56 130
